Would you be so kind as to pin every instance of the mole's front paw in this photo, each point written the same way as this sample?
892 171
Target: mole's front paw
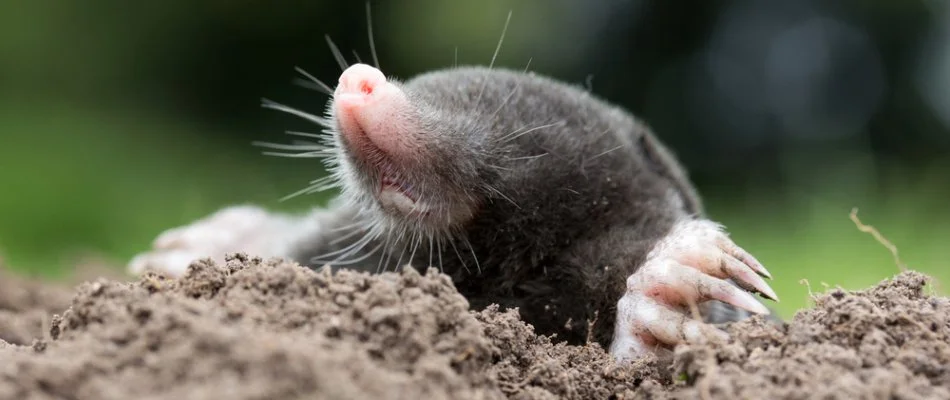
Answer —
234 229
689 266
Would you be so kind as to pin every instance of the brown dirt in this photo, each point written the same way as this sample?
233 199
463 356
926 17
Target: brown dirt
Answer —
266 330
27 306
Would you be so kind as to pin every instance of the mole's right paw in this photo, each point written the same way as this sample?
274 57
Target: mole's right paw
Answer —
234 229
689 266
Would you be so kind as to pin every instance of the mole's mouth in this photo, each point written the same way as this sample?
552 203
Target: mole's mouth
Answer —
393 192
397 195
405 189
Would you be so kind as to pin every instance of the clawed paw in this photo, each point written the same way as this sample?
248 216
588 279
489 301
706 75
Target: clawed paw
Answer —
696 262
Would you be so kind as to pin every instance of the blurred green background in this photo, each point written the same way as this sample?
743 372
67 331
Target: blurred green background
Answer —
119 119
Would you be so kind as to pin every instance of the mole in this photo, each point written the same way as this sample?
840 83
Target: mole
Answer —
528 192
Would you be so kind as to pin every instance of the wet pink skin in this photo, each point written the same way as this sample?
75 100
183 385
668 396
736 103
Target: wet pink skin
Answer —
374 113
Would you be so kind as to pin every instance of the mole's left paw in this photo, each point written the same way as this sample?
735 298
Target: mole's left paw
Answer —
232 229
690 265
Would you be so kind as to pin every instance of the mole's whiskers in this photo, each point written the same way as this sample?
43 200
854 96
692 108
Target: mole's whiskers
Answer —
493 57
369 33
312 82
520 132
336 53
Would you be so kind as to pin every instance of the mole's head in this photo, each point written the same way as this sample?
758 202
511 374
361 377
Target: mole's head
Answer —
470 147
419 154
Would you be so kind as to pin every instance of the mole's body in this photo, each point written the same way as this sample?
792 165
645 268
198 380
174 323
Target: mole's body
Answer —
528 192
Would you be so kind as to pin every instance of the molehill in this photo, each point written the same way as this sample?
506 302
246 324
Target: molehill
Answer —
257 329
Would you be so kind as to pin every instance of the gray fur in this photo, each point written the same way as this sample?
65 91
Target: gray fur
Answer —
546 197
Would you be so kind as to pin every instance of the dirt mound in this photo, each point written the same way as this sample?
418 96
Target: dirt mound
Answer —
255 330
888 342
27 306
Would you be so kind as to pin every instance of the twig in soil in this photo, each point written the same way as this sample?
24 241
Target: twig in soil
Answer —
811 294
590 326
934 283
879 237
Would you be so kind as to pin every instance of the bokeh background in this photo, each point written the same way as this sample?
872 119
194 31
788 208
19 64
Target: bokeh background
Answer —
121 119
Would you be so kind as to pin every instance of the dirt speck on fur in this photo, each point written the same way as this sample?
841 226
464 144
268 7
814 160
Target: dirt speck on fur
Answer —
259 330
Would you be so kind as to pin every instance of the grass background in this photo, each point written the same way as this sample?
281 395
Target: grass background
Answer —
117 123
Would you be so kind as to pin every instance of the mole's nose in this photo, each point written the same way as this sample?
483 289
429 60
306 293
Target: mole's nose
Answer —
370 108
360 80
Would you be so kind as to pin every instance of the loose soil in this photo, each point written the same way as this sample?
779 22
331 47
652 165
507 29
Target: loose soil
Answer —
255 329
